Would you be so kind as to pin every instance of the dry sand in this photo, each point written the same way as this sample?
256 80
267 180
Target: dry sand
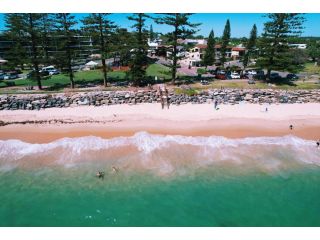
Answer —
242 120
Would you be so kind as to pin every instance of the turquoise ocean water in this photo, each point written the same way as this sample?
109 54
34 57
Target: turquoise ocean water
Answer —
162 181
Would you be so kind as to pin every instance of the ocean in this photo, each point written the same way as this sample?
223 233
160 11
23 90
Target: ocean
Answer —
162 180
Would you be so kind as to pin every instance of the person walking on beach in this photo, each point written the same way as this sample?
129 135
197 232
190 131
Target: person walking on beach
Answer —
167 96
161 98
215 104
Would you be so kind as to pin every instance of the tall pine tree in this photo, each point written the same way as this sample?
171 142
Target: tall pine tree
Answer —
46 31
17 54
32 21
182 28
64 23
139 61
209 55
101 29
151 34
225 41
250 45
24 30
275 52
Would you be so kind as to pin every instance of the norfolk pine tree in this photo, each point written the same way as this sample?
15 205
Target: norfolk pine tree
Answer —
100 28
250 46
209 55
25 26
225 41
275 53
32 21
182 28
17 54
64 23
151 34
139 61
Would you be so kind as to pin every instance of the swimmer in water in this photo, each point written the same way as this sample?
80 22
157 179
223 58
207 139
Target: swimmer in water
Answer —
100 174
115 170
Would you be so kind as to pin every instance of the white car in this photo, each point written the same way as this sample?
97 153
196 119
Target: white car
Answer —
252 72
235 75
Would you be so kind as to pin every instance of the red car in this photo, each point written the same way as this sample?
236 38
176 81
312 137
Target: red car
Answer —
221 76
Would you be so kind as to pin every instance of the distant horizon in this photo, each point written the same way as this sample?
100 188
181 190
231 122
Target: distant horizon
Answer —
241 23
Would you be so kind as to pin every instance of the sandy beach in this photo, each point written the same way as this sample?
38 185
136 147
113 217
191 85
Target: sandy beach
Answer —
233 121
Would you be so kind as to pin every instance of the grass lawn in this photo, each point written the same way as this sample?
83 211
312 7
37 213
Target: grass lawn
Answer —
93 76
158 70
62 80
310 68
58 82
258 85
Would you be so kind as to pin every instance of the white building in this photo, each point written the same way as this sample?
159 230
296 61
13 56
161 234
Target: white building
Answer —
192 41
153 45
298 45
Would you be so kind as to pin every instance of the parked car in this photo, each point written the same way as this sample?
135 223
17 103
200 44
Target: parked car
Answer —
1 76
204 82
42 74
50 69
292 76
235 75
260 75
10 75
54 72
251 72
274 76
221 76
221 72
120 84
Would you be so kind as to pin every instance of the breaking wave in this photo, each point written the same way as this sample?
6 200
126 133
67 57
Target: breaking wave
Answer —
162 153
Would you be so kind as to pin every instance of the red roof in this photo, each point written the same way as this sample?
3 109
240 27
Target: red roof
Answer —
219 46
239 49
201 46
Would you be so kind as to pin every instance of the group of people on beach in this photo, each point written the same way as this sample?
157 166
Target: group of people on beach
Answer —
164 96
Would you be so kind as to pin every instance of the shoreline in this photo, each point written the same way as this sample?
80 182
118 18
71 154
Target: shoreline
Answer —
231 121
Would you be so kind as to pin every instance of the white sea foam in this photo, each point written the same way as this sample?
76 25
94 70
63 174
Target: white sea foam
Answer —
164 152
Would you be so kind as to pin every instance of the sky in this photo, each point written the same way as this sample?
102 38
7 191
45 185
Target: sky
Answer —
241 23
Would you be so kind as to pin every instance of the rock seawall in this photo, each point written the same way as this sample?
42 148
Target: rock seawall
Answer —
223 96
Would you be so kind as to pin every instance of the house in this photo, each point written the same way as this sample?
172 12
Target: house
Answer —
166 51
298 45
195 55
192 41
218 51
238 52
153 45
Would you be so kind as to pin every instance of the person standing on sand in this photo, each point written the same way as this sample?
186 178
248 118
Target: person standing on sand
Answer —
167 96
161 97
215 104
